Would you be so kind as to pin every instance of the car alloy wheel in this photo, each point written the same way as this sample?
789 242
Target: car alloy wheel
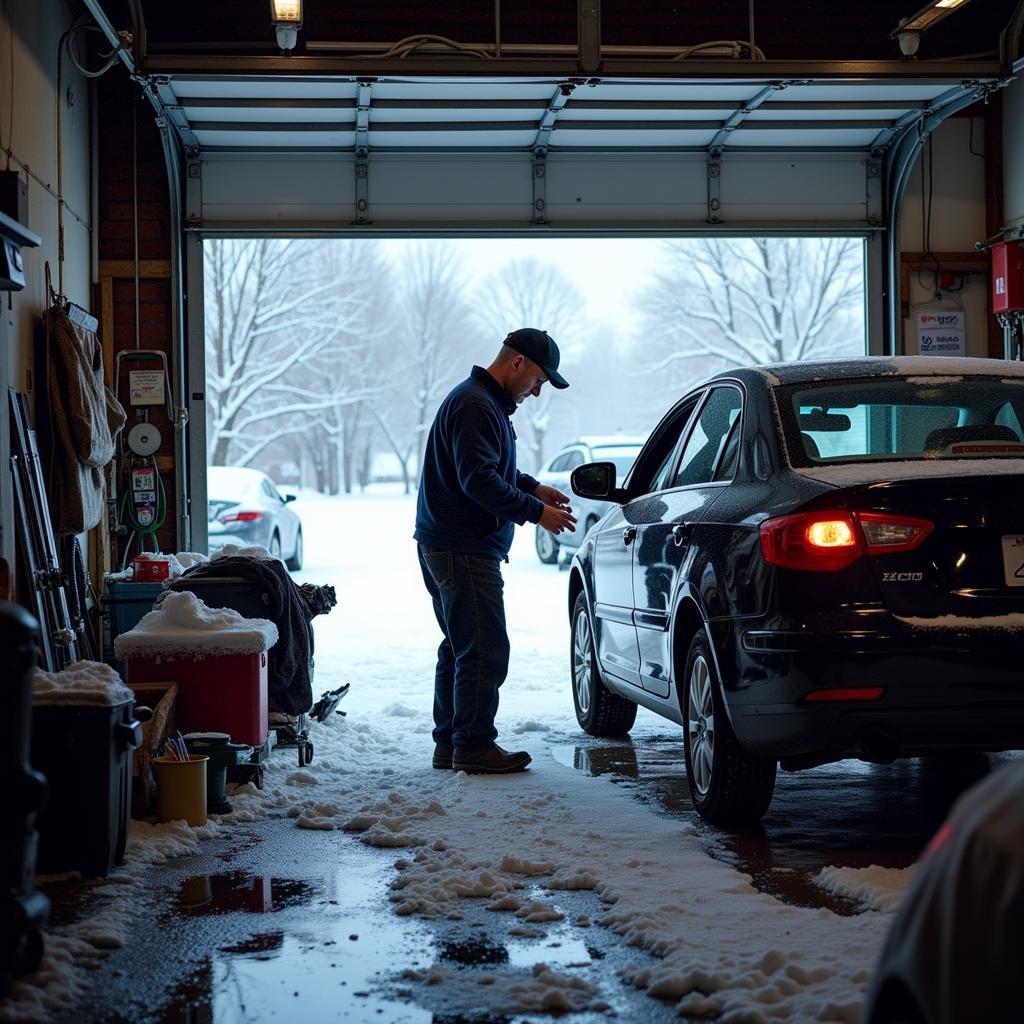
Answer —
546 545
582 656
599 711
700 723
727 785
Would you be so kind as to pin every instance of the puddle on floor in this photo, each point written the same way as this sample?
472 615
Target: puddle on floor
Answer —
236 891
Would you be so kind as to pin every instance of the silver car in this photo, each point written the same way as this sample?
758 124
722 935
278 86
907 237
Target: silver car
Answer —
621 449
244 507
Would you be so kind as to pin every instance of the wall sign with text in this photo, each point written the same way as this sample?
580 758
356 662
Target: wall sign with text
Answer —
941 332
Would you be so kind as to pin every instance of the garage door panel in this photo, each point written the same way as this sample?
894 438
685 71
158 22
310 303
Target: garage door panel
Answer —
779 181
428 181
280 189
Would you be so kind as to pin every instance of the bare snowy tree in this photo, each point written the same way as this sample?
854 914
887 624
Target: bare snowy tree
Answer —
533 293
436 340
271 310
734 301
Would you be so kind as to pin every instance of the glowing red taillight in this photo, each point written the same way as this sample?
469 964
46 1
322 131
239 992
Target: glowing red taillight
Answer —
241 517
830 540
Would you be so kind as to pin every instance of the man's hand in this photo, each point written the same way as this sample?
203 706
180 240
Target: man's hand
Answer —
551 495
556 518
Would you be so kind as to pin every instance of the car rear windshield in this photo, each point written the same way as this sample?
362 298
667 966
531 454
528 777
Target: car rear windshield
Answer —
904 418
623 455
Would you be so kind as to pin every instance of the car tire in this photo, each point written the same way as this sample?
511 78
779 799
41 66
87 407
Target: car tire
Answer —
295 562
275 545
599 711
727 786
546 545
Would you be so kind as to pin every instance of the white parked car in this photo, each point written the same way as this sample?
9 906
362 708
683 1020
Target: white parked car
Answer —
621 449
245 508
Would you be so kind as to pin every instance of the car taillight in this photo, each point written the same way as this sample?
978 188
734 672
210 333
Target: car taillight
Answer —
240 517
830 540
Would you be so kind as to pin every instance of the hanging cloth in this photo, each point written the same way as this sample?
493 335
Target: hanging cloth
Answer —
84 421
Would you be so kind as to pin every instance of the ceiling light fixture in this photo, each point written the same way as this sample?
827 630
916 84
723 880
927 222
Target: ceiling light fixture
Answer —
286 16
908 32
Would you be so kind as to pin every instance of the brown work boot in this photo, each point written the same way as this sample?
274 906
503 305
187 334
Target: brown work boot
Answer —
442 755
492 761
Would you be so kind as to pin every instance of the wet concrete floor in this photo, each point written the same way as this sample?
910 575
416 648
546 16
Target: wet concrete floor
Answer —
281 923
847 814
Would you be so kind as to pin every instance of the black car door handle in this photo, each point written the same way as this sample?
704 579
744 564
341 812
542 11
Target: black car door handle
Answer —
629 535
681 533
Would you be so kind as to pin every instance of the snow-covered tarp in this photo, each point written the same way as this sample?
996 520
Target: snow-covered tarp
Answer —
184 627
85 682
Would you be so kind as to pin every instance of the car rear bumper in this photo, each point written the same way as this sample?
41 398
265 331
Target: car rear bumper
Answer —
941 690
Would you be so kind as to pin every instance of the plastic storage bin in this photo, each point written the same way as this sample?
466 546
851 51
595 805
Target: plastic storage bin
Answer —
126 602
85 752
220 693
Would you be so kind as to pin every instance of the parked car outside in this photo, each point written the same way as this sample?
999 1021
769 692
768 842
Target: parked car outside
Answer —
620 449
811 561
244 507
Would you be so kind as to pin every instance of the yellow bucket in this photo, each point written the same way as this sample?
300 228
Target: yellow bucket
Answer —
181 789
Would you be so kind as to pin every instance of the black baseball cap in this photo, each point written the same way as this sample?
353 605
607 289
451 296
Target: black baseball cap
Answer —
541 348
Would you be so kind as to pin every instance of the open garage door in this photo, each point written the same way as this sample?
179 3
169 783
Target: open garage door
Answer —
319 154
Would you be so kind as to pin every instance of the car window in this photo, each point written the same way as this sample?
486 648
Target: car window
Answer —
906 418
270 490
575 458
708 437
730 454
559 463
656 459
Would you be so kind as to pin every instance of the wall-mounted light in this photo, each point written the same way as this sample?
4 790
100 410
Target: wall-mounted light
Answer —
286 16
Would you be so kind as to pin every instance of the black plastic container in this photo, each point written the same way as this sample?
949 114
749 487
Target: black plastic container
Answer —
23 910
85 752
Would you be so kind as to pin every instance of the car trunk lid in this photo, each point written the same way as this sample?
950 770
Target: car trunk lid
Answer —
971 564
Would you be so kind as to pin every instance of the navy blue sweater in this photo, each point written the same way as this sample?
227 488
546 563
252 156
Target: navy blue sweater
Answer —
471 493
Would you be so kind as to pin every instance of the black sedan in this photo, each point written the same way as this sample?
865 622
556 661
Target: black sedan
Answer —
808 562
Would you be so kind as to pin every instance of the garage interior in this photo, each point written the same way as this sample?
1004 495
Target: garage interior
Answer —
133 132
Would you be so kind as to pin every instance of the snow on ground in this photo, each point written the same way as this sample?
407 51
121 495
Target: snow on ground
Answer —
725 950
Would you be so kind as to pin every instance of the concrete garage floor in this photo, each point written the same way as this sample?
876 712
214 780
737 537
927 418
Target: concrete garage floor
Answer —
274 923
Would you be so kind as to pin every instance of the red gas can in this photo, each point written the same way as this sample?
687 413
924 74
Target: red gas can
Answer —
222 693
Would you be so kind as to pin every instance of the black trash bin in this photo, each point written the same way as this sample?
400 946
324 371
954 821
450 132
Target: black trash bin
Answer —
85 752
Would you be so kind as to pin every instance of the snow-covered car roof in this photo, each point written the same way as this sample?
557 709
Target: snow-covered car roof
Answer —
809 371
609 440
233 480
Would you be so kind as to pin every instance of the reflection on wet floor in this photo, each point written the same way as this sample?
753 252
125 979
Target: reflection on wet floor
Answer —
236 891
849 814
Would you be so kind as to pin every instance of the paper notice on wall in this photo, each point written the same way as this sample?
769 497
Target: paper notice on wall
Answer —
941 332
146 387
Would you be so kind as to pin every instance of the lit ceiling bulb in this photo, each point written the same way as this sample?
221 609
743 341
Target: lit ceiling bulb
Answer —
286 16
929 15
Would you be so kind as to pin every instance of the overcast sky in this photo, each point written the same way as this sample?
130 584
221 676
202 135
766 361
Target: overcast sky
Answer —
606 270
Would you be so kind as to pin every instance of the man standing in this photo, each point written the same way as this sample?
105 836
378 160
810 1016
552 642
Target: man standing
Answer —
470 499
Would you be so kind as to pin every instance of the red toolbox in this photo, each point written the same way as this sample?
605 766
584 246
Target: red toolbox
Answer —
219 693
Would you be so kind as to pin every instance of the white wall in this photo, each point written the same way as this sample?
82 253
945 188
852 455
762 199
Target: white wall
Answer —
957 222
33 32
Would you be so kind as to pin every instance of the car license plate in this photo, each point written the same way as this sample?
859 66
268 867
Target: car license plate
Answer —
1013 559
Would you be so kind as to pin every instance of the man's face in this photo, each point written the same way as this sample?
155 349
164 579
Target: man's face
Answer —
527 380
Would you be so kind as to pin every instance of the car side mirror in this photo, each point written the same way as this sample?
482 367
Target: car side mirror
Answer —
288 497
594 480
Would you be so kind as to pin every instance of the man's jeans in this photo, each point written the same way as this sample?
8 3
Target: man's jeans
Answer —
472 661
